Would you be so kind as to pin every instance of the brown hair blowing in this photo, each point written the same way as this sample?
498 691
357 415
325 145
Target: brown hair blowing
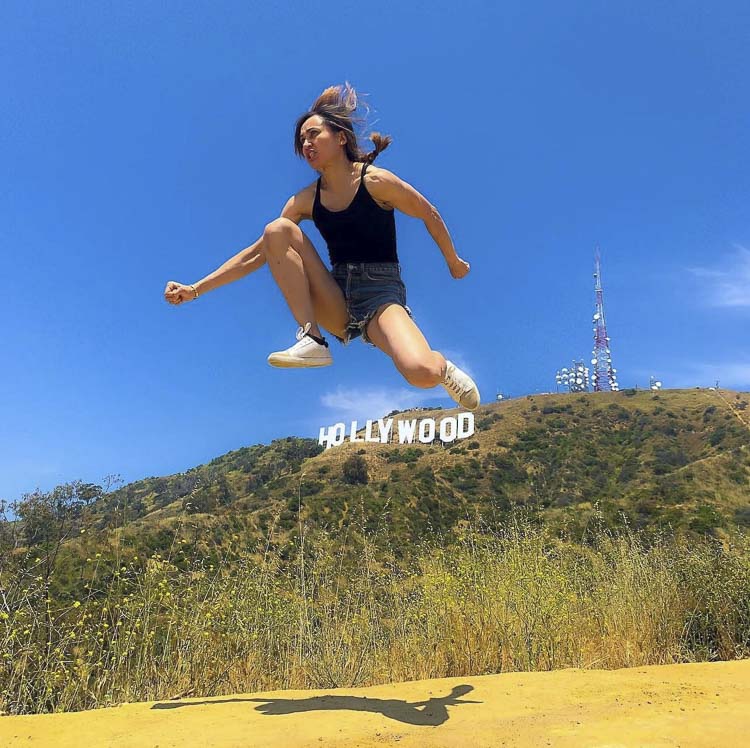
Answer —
336 105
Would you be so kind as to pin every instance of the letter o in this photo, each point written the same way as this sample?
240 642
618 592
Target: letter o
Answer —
426 435
337 434
444 424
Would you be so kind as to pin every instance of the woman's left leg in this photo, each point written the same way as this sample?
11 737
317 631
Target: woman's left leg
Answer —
395 333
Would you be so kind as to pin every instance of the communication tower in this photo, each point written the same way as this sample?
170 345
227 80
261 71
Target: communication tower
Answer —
604 377
576 378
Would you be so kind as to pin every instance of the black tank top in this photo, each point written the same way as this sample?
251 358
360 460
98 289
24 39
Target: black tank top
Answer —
363 232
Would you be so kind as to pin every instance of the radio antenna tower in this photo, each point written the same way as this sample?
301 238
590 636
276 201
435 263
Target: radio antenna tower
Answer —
604 377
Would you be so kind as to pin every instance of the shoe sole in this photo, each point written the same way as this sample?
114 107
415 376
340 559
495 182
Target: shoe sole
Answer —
299 363
466 405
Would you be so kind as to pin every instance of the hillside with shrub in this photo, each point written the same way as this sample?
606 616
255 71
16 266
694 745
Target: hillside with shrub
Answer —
568 529
674 461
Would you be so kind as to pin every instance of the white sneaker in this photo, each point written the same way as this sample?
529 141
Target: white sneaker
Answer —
305 352
460 386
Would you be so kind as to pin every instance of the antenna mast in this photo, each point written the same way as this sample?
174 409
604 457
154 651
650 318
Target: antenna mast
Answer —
604 377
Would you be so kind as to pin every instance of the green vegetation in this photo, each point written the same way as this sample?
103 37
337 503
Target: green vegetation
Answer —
606 529
354 470
218 619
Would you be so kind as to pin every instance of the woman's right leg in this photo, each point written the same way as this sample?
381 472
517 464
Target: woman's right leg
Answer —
308 287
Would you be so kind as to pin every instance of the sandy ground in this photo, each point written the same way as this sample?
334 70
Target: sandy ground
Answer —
704 704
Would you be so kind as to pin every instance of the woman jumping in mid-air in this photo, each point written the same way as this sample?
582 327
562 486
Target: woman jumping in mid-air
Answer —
352 205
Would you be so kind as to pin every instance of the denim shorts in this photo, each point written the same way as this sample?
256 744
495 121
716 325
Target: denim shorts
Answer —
366 287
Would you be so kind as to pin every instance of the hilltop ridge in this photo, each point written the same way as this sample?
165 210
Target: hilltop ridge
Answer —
676 460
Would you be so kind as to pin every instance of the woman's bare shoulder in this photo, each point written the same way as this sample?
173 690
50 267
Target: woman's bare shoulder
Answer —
379 183
300 205
377 173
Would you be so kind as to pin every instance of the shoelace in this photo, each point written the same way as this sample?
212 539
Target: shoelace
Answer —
453 385
302 331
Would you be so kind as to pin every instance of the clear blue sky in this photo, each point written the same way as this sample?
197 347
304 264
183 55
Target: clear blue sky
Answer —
143 142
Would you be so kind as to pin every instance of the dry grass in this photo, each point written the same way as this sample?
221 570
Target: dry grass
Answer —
315 618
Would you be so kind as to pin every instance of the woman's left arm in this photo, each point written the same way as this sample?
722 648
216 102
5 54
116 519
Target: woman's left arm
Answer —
389 189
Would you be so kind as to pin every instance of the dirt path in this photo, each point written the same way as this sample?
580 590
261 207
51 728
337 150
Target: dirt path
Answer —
704 704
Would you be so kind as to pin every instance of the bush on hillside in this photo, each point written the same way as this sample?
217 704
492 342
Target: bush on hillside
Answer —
354 470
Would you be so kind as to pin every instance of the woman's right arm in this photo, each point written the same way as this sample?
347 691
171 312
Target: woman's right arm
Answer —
243 263
247 261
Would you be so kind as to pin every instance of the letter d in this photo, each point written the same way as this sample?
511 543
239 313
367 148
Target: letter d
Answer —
465 425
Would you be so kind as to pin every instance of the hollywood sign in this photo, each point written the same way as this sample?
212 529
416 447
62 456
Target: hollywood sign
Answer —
424 430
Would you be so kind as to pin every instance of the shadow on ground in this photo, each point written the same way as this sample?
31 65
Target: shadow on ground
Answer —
433 712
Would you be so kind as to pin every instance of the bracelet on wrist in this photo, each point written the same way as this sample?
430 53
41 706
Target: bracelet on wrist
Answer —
194 291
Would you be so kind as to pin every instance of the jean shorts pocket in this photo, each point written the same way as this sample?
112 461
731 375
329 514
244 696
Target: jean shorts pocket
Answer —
382 275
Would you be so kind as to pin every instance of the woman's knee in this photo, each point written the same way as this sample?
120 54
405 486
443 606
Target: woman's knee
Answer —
279 228
279 225
421 371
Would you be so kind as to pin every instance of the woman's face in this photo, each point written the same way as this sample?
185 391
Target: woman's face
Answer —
320 144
